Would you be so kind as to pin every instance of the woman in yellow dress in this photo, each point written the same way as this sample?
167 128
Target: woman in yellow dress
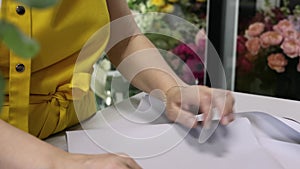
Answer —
40 91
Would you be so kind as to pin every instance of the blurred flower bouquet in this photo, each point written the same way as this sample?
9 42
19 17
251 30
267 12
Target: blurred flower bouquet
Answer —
182 57
192 10
187 59
268 52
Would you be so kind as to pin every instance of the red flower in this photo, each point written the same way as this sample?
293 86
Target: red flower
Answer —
192 71
241 48
184 51
244 65
279 15
192 55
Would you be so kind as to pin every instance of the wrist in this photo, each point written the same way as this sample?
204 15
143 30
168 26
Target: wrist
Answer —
58 159
163 94
174 87
159 94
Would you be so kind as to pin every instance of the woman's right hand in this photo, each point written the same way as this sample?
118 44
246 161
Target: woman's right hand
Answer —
101 161
34 153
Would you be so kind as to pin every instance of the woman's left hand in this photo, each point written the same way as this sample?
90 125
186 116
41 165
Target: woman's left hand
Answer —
183 103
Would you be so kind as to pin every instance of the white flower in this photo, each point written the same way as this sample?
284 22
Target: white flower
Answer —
105 64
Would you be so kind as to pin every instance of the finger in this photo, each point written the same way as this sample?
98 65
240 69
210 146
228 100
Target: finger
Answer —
229 112
128 162
227 119
181 116
205 107
224 101
132 164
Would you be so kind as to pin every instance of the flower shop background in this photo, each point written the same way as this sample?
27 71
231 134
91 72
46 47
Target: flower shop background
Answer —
268 50
182 57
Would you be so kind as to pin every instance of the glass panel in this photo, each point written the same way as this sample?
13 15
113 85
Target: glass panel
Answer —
222 19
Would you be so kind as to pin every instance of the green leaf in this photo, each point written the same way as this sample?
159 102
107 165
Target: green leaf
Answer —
15 40
2 85
38 3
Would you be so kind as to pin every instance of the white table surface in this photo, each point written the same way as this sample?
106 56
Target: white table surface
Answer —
243 102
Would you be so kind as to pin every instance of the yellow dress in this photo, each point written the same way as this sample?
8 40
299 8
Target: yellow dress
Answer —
39 91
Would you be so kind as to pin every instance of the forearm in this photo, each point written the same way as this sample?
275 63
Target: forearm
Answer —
142 64
134 55
20 150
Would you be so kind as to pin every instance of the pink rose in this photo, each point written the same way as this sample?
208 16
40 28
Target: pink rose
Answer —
270 38
255 29
253 45
291 47
283 26
201 35
200 41
277 62
291 34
